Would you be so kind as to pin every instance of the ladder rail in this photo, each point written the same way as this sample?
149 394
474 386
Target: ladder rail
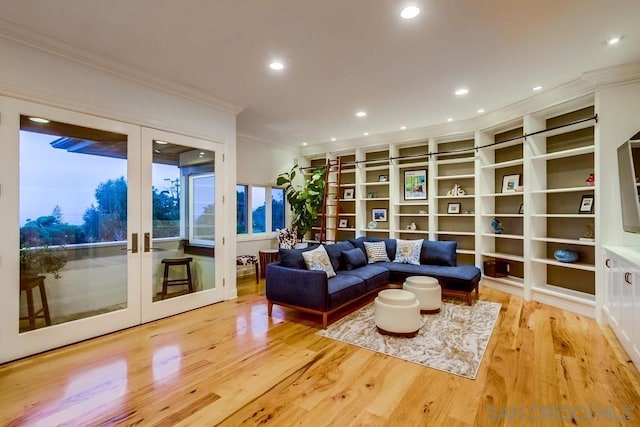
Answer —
331 200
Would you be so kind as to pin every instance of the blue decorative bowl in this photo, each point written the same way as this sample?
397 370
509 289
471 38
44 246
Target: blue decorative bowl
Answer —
566 255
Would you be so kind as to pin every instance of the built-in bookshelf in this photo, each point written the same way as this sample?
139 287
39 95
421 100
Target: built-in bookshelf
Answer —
562 200
535 184
501 198
455 199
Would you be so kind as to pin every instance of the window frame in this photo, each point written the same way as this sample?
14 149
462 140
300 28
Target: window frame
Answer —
268 234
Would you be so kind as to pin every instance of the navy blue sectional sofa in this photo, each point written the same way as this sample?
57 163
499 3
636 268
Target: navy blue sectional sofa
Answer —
290 284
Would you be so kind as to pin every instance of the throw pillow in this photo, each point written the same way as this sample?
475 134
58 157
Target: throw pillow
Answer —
376 252
318 259
354 258
408 251
439 252
292 258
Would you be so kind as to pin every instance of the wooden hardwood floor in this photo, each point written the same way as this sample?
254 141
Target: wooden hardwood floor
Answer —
229 364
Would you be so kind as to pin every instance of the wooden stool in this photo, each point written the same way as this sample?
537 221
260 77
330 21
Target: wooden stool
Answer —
249 260
27 284
166 282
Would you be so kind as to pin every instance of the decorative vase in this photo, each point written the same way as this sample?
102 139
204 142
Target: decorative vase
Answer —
566 255
591 181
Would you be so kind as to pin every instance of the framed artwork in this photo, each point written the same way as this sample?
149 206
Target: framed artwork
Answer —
415 184
348 193
510 182
383 178
453 208
379 214
344 223
586 204
521 209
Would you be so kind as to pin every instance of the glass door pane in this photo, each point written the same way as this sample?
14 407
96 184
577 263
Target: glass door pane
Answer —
179 251
73 222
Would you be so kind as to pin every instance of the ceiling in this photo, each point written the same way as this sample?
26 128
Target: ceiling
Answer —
340 56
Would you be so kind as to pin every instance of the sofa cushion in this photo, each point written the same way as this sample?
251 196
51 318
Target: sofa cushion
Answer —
408 251
439 252
376 252
373 275
344 288
354 258
335 254
292 258
318 259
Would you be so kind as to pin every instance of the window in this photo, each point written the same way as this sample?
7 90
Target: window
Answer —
277 209
242 201
202 209
258 209
267 211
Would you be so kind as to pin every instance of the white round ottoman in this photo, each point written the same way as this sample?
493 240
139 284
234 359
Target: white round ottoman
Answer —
428 292
397 312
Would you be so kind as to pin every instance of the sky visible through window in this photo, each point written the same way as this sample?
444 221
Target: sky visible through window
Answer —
52 177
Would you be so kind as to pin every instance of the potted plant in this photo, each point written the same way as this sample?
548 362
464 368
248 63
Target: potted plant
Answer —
306 201
42 260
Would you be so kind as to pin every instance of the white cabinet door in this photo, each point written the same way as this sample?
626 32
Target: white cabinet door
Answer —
626 302
612 287
635 333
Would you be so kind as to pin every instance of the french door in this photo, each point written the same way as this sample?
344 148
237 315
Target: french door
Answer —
179 238
90 209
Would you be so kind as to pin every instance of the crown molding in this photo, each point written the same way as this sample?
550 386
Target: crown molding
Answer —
51 45
576 91
247 138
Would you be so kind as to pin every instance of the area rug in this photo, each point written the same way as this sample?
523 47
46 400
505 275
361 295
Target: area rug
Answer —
453 340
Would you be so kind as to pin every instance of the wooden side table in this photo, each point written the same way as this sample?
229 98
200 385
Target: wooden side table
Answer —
27 284
267 256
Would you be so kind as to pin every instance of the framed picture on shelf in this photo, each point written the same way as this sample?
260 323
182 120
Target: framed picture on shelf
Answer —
415 184
453 208
371 195
586 204
521 209
383 178
343 223
379 214
348 193
510 183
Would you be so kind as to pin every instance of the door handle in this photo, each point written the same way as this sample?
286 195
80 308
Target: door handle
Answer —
627 278
134 244
147 243
608 263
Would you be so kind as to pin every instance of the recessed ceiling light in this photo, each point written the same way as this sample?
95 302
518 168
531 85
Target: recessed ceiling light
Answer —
161 142
450 119
304 143
613 40
403 127
537 88
38 120
462 91
333 139
366 134
361 114
410 12
276 65
480 110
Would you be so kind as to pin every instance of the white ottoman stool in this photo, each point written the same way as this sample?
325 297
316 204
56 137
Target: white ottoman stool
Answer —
427 290
397 312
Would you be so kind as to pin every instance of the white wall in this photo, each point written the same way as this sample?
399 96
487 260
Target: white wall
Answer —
618 110
260 163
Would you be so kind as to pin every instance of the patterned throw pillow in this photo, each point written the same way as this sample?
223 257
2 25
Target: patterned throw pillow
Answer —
287 238
408 251
376 252
318 259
